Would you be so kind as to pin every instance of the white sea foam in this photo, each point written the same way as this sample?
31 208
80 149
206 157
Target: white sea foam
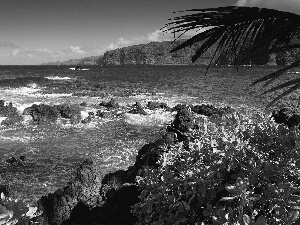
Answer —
15 138
156 118
23 91
2 118
58 78
39 95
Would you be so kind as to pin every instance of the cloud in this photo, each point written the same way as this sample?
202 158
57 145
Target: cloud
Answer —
77 50
282 5
9 45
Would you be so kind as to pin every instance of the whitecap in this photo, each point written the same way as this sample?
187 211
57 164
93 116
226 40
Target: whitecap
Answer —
39 95
58 78
156 118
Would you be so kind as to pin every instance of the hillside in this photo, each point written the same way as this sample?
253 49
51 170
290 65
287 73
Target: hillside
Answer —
92 60
158 53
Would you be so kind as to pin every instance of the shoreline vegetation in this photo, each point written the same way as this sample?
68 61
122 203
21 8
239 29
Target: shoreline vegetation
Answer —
214 165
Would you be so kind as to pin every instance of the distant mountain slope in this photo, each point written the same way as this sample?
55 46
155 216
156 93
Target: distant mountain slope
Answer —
92 60
158 53
153 53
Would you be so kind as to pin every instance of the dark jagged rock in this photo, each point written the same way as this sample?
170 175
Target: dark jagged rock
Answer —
286 116
103 114
83 104
149 154
42 113
179 107
206 110
7 110
137 108
209 110
58 206
183 121
117 206
4 190
10 112
71 112
11 120
157 105
111 104
89 118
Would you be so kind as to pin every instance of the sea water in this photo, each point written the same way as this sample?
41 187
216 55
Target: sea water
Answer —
53 151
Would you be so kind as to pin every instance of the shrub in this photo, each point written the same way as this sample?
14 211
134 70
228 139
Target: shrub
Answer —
238 169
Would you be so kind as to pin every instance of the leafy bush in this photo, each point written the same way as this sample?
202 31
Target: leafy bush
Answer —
238 169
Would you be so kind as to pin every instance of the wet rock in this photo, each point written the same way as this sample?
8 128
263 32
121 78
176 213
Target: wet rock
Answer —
286 116
57 207
42 113
157 105
7 110
11 120
83 104
183 121
111 104
117 206
179 107
89 118
68 111
137 108
206 110
4 190
149 154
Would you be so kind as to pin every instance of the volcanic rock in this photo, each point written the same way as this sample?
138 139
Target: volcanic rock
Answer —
157 105
111 104
57 207
137 108
68 111
42 113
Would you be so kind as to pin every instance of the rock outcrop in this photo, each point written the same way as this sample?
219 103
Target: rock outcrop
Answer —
68 111
95 198
42 113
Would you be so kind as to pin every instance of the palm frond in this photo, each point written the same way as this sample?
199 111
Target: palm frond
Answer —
241 32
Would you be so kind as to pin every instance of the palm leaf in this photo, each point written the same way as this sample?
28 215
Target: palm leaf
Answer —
294 88
241 32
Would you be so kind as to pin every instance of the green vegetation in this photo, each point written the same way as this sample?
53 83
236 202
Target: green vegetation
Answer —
238 169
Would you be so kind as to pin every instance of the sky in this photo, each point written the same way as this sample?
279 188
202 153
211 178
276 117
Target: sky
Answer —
38 31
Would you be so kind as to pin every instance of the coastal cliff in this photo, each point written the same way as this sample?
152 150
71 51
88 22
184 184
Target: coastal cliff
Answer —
158 53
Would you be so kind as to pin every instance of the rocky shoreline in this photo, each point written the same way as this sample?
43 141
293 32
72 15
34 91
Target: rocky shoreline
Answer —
93 197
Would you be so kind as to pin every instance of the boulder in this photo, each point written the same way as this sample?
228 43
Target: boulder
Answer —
83 104
111 104
7 110
137 108
117 206
42 113
83 192
179 107
149 154
89 118
183 121
68 111
103 114
206 110
11 120
157 105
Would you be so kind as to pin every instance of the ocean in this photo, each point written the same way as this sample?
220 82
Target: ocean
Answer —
53 151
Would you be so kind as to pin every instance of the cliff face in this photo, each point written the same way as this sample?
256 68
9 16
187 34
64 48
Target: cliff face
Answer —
154 53
92 60
158 53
